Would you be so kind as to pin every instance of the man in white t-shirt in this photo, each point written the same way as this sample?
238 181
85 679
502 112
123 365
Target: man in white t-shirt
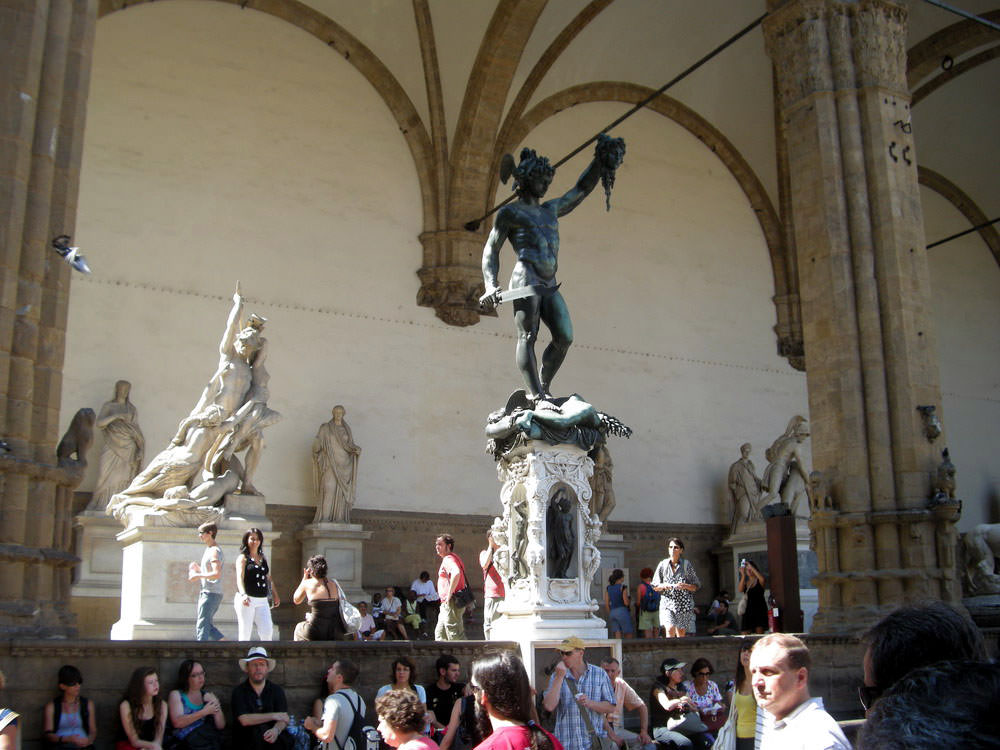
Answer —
340 709
779 674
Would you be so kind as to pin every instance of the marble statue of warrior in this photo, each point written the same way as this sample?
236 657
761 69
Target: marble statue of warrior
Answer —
744 488
124 446
786 477
335 470
533 230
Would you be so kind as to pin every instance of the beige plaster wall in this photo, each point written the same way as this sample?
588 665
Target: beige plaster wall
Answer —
222 144
966 282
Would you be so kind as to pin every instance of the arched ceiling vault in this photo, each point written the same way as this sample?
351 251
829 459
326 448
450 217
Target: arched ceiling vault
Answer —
938 60
357 54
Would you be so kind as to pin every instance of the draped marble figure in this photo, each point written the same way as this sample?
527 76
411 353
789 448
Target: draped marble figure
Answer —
335 469
124 446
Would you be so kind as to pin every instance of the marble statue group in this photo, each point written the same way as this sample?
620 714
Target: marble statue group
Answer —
185 481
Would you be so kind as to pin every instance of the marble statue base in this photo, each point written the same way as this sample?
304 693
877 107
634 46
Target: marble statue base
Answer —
541 604
342 546
158 602
750 540
99 573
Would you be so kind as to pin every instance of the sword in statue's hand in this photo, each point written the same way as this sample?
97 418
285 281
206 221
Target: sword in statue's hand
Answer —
497 297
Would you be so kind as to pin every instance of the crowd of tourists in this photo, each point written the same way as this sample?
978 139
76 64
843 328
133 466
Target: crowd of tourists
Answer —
927 683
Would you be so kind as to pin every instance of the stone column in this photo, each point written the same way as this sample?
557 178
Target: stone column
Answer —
45 53
844 122
451 279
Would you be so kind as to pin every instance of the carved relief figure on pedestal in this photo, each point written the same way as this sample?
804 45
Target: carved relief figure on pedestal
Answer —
200 466
744 489
560 528
335 469
124 446
602 499
786 478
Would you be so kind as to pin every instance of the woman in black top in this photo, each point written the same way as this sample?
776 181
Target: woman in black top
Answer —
143 713
751 585
253 581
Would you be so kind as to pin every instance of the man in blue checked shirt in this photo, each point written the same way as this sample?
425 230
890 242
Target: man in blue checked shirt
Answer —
575 684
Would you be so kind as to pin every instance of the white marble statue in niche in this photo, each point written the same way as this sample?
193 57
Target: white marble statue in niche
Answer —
335 469
124 446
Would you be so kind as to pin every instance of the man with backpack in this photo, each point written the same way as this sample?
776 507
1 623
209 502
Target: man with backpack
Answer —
649 605
341 727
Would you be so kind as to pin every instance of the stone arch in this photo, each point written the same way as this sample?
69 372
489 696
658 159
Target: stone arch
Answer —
964 203
365 62
951 43
785 287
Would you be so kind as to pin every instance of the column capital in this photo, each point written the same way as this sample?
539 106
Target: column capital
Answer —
805 40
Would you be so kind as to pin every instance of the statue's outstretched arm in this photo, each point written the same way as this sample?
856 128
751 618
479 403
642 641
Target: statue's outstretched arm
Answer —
233 324
608 155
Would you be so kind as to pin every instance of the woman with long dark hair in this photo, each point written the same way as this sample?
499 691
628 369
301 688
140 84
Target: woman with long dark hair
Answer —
143 713
196 716
253 582
504 705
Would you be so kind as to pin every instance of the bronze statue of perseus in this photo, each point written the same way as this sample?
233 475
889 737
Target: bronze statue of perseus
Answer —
533 230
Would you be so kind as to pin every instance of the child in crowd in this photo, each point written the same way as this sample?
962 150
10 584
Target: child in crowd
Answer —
401 721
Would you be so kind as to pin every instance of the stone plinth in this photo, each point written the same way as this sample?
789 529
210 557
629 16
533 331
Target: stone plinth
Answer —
342 544
158 602
750 540
99 573
544 603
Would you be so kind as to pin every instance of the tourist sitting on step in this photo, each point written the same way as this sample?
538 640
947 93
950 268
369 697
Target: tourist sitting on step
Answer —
69 721
392 610
196 717
142 714
368 631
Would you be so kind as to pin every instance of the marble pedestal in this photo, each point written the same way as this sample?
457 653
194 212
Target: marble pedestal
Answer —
750 540
158 602
542 605
342 546
99 573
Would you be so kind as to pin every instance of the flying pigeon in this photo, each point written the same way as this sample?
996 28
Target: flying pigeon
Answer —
70 254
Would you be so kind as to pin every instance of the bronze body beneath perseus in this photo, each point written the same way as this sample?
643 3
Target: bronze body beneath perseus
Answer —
533 230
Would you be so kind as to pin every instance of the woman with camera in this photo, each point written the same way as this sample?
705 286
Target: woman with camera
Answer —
751 585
